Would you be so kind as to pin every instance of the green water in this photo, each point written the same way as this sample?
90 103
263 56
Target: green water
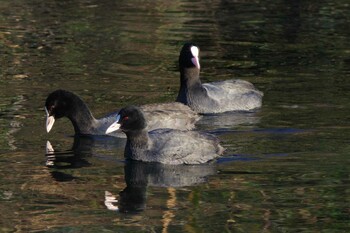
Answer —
286 167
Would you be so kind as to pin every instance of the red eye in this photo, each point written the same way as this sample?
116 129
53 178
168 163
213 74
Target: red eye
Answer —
125 118
50 108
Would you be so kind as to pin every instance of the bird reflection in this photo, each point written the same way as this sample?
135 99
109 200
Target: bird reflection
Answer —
63 159
228 120
139 175
83 148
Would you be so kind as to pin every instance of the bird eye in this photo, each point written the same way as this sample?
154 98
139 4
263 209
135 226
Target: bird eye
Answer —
125 118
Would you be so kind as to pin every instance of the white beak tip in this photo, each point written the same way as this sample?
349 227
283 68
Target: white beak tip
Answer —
50 120
113 127
195 61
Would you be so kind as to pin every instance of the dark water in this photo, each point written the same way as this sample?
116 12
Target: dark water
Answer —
286 168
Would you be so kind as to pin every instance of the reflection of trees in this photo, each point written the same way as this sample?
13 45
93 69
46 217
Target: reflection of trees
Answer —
9 120
296 51
237 38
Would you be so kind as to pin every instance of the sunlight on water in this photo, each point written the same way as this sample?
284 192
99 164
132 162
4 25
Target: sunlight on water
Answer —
286 165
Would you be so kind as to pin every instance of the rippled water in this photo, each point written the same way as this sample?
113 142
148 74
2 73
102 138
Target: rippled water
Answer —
286 168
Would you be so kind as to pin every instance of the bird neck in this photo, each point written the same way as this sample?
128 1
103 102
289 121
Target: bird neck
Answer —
136 145
81 116
189 79
189 76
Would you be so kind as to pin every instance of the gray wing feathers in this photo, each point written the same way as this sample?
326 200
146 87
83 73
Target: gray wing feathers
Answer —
233 95
170 115
188 147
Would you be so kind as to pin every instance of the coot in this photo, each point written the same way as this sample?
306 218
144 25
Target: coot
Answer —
62 103
215 97
168 146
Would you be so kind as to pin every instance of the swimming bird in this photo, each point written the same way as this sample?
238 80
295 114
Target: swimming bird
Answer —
167 146
214 97
62 103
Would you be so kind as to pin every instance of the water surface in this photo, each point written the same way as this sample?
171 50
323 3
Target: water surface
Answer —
286 168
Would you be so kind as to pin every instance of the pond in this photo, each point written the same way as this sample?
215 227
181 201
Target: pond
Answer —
286 166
